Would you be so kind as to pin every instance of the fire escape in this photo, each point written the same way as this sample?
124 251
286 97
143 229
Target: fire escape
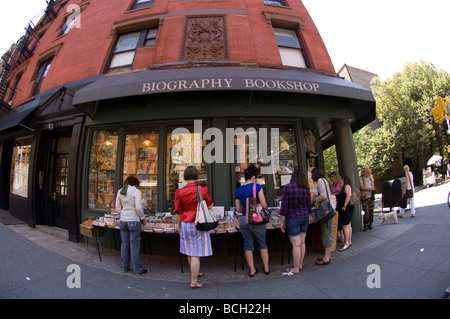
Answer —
20 52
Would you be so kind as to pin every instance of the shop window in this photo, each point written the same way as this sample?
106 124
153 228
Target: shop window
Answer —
290 49
40 75
20 167
247 152
288 159
184 148
102 169
141 160
139 4
127 44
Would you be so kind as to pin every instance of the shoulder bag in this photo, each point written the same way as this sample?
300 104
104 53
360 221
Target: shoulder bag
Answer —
204 219
356 196
409 192
324 212
255 213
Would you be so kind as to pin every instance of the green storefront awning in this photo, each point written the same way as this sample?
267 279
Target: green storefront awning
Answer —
219 79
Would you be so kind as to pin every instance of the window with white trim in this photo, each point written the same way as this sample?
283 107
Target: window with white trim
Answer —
291 51
127 44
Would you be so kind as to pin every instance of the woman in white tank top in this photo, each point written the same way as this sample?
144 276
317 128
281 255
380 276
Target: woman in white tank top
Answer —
409 186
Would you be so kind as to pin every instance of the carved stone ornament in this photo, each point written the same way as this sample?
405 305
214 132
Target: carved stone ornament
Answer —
205 38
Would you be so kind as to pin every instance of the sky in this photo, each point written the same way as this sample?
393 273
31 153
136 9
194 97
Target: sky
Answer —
382 36
379 36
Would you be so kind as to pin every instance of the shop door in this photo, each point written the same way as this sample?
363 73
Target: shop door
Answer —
58 182
60 189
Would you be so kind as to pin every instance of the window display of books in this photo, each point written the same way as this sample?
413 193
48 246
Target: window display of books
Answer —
110 220
166 222
160 223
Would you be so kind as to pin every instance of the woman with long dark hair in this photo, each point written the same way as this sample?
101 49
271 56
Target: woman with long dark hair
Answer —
295 208
128 204
345 211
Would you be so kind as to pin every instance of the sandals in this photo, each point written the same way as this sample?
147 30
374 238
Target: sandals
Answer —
195 285
256 271
344 248
321 262
290 272
250 273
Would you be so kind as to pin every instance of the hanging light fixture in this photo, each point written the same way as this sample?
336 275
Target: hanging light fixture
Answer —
147 142
108 140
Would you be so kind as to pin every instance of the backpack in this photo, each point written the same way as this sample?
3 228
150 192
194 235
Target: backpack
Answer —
356 196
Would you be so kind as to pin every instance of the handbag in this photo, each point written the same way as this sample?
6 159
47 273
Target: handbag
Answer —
324 212
255 213
409 192
204 219
356 196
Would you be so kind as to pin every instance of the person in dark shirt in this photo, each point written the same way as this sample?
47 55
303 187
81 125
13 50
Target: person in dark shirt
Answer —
251 232
294 212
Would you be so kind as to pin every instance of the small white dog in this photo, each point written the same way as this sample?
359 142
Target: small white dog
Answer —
385 217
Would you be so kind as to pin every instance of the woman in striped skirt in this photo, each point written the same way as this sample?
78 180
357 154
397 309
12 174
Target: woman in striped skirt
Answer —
193 243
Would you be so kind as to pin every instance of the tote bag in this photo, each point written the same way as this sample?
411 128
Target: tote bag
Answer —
356 196
204 219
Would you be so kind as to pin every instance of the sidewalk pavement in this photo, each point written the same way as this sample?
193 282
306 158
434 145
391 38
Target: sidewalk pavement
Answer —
413 256
167 268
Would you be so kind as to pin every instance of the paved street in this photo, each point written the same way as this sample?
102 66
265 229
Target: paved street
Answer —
406 260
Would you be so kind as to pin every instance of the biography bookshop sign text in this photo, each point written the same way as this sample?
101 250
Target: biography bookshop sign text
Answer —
229 84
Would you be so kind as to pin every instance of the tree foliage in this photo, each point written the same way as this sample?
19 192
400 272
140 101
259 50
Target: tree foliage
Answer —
404 104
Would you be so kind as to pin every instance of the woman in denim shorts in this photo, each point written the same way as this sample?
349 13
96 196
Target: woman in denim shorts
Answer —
294 212
252 232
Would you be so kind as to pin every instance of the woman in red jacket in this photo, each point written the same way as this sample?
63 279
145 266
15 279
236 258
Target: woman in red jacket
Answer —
193 243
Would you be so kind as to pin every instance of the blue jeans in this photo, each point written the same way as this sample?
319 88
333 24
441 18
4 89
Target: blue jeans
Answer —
130 233
251 232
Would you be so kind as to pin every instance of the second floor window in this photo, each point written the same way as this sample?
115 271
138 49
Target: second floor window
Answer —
127 44
125 50
291 51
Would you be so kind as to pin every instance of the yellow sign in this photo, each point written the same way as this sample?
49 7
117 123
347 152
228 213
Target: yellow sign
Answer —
440 110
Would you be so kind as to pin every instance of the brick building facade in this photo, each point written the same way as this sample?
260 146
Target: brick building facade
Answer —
129 71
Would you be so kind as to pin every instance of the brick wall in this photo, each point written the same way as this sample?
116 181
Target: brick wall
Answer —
83 52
